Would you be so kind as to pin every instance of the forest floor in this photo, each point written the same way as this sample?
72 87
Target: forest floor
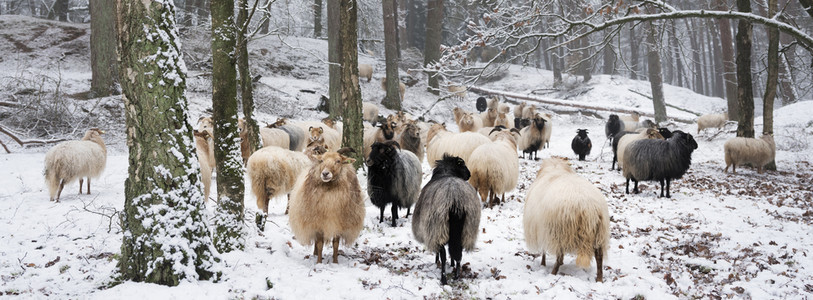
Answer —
721 235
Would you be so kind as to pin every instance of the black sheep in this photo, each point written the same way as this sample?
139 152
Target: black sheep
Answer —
393 177
447 213
613 126
658 160
665 132
481 104
581 144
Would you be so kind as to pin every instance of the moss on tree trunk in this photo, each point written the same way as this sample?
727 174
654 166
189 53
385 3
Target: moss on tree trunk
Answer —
351 93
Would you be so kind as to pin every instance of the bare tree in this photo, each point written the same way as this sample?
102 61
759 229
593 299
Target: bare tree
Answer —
334 57
434 27
351 93
773 78
103 63
393 98
745 94
655 73
246 88
317 18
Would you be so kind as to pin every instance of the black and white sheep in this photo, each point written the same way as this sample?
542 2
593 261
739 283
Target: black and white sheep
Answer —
531 138
384 132
565 213
393 177
71 160
447 213
658 160
757 152
581 144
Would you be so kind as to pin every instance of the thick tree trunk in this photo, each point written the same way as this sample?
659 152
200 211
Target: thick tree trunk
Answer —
229 233
165 232
317 18
103 48
773 78
351 93
246 87
655 74
434 27
729 68
393 98
334 46
745 94
633 53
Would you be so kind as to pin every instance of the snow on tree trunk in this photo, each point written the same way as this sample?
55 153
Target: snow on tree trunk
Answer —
655 74
351 93
334 45
166 236
434 27
102 48
745 94
246 87
228 220
393 98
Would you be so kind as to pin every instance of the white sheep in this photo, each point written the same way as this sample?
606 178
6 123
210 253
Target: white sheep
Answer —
71 160
470 122
631 121
494 167
518 110
565 213
275 137
206 159
502 120
366 70
757 152
529 112
711 121
273 172
327 204
455 144
333 138
489 116
548 130
458 91
369 112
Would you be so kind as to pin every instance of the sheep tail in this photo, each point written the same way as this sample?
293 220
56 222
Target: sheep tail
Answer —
584 257
456 224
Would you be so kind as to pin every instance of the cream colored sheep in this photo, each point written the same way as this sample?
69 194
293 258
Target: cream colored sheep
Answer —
275 137
488 117
565 213
757 152
455 144
529 112
518 110
206 159
494 168
71 160
327 204
458 91
629 138
548 130
366 70
333 138
470 122
401 87
711 121
502 120
369 112
273 172
458 114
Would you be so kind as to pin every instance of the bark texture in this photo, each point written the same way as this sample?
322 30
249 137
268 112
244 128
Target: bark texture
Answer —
745 94
729 67
773 78
393 98
103 63
434 28
334 45
351 93
655 74
166 236
246 86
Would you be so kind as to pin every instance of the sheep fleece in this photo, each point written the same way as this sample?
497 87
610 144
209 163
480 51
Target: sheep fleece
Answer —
430 223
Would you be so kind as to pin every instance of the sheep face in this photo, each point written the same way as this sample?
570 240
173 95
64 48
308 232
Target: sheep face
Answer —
278 123
685 139
329 122
412 130
331 164
665 132
93 133
539 122
654 134
468 120
388 129
316 133
205 123
453 165
582 133
382 154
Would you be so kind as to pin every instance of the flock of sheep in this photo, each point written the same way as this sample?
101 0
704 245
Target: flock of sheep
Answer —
564 213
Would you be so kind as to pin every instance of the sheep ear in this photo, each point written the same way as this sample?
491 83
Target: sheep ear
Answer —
348 160
321 130
310 128
393 124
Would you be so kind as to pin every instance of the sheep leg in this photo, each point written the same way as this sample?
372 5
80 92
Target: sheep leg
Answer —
661 187
81 181
615 158
437 260
408 211
560 258
599 261
381 216
336 250
394 213
635 189
61 186
442 265
628 185
260 220
543 258
88 186
317 248
667 189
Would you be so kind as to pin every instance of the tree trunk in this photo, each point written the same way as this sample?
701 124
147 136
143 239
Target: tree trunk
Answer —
334 46
246 87
729 68
351 93
676 53
229 233
403 31
696 59
719 82
393 98
397 31
633 53
59 11
773 78
655 74
103 48
434 27
585 66
166 234
317 18
745 94
786 78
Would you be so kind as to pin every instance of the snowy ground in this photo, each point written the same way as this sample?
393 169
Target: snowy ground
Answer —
720 235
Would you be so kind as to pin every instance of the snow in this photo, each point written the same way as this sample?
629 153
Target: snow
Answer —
738 235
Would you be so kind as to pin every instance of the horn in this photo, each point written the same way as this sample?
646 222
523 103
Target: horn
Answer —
393 143
345 150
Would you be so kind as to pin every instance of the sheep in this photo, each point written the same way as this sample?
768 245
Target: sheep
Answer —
470 122
647 124
273 172
495 168
481 104
494 103
401 87
326 203
458 91
502 120
333 124
711 121
70 160
658 160
206 124
625 140
458 114
489 116
531 138
456 144
366 70
296 135
447 213
665 132
384 132
393 177
613 126
245 151
315 148
565 213
581 144
203 141
275 137
369 112
529 112
434 130
333 138
757 152
518 110
547 130
410 139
